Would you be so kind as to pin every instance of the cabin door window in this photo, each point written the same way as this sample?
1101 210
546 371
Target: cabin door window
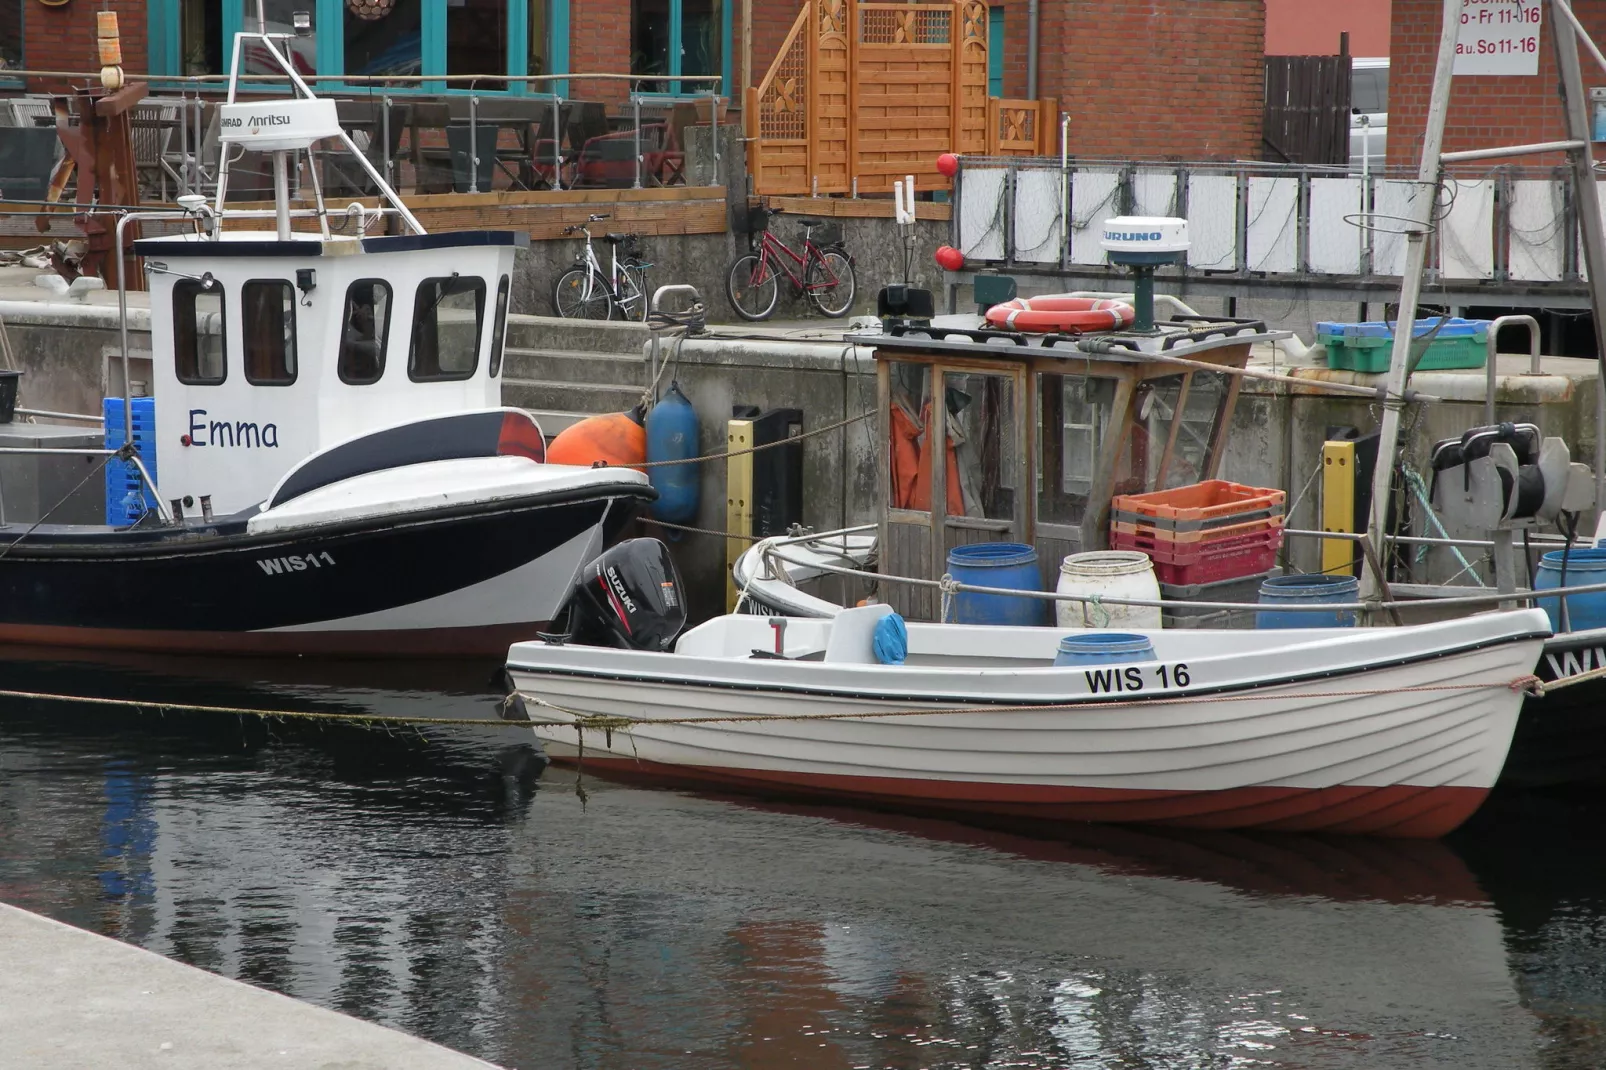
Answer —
198 319
365 324
268 331
1074 412
1193 439
499 327
448 315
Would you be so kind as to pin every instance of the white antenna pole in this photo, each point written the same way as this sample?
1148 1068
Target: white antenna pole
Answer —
1421 222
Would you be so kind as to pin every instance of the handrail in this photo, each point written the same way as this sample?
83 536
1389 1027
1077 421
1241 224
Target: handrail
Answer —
948 585
1494 349
379 80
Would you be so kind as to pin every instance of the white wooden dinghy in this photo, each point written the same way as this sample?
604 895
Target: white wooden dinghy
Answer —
1397 731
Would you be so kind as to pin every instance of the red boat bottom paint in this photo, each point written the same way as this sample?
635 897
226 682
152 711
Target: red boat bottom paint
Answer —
1397 810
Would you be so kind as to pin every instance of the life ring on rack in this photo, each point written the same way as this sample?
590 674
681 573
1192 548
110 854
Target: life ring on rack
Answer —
1071 315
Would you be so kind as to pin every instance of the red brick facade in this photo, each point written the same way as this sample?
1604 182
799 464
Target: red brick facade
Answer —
1485 111
63 38
1157 78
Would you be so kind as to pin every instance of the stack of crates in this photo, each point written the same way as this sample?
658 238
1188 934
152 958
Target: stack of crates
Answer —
127 497
1367 347
1203 533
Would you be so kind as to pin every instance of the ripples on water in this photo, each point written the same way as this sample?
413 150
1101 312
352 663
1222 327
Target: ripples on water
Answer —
445 885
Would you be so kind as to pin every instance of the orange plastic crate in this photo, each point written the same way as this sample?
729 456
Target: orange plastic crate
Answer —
1210 500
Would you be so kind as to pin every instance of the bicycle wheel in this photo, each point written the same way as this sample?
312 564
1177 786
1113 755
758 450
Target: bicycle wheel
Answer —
633 299
831 284
750 286
581 294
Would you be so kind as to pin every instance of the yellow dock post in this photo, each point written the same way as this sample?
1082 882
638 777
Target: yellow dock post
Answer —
1338 507
738 500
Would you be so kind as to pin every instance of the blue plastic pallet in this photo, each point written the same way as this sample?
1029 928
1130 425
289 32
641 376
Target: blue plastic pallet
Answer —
127 497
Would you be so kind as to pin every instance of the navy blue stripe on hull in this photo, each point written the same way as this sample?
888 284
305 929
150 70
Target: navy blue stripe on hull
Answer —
241 584
1561 737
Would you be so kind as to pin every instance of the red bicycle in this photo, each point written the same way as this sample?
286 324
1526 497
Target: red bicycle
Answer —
823 272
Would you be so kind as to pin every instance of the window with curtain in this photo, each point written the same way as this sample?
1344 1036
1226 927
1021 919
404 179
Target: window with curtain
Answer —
268 331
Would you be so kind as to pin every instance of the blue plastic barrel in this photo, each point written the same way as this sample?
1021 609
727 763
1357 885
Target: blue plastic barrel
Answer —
1306 591
1011 565
1104 648
1585 567
672 436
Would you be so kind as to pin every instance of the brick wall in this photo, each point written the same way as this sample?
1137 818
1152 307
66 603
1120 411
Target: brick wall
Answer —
1485 111
1152 78
63 39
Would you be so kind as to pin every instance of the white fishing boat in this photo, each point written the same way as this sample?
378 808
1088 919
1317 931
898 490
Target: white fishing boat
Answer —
1384 731
337 474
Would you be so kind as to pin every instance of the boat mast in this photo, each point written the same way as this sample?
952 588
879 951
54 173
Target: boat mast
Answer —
1565 30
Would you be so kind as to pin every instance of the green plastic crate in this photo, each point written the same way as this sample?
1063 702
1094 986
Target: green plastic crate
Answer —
1368 351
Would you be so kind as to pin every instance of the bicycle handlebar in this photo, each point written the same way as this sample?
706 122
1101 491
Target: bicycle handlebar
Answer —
598 218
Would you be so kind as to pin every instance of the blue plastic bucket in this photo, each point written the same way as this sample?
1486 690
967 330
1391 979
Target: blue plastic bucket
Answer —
1307 591
1011 565
1104 648
1585 567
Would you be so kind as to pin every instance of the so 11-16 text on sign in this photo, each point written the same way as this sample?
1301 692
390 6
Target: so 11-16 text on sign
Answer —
1499 37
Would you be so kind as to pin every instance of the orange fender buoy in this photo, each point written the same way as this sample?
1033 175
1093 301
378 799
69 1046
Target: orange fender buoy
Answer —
615 438
1070 315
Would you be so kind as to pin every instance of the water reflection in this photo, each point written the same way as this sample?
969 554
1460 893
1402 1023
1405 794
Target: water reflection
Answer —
427 882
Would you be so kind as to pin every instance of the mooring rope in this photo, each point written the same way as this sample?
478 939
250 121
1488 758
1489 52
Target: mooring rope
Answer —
1528 684
749 449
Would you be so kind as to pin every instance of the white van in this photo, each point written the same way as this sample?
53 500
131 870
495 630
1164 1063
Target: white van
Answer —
1369 114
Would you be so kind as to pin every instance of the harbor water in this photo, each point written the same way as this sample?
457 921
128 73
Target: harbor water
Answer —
442 881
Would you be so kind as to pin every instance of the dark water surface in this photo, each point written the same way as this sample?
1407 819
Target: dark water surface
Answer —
443 884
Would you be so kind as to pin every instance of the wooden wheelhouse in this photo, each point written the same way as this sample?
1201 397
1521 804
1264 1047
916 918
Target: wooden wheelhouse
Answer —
1038 433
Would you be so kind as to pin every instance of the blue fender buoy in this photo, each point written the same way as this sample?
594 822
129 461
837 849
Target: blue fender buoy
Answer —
672 436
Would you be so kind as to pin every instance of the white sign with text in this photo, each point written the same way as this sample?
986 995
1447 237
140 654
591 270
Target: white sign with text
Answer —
1498 37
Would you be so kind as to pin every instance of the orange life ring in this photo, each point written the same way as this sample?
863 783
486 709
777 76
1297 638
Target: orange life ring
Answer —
1059 313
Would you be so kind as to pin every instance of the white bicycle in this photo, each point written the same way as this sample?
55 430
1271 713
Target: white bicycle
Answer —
586 292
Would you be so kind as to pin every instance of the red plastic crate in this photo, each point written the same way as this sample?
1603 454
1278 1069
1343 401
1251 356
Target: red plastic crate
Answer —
1212 499
1209 562
1163 537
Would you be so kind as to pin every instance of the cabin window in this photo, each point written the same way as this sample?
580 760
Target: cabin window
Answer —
909 485
365 325
981 445
198 312
447 317
499 327
1073 411
1154 406
268 309
1193 441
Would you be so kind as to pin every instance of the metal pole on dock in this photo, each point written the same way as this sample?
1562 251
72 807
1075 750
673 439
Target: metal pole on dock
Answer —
1566 29
1420 222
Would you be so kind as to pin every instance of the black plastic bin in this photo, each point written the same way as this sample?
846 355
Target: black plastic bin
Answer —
8 395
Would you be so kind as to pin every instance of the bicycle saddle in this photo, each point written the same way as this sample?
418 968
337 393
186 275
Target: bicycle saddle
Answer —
812 222
615 239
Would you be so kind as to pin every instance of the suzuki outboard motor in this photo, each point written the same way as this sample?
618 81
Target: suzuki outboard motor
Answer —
629 597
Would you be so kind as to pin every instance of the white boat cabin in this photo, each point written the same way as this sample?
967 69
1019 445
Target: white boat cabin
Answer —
268 350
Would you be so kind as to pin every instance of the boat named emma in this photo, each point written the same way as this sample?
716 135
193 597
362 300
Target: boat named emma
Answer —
336 473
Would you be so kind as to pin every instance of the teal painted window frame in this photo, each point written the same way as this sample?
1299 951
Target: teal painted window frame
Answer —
163 29
995 51
677 12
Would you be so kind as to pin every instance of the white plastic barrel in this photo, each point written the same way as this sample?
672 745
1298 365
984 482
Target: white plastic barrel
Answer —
1108 574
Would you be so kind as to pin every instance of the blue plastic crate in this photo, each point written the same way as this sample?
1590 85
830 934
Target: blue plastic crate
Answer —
127 497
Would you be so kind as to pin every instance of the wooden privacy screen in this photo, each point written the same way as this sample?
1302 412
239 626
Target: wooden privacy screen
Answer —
862 94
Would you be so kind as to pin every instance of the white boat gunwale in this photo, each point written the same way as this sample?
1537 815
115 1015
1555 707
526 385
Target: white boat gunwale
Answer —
695 676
